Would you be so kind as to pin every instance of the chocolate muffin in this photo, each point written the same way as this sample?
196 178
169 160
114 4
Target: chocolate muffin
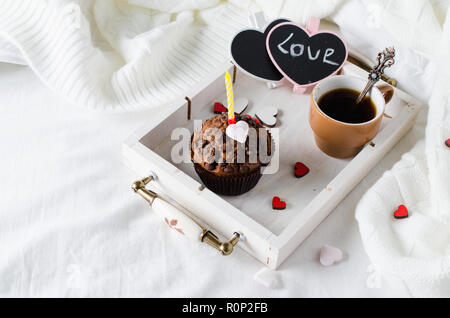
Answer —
227 166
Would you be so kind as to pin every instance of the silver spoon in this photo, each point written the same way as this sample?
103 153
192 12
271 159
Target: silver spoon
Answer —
385 59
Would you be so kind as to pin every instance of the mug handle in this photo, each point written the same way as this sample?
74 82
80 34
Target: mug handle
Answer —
388 92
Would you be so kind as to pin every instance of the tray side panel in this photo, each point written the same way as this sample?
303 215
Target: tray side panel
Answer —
161 130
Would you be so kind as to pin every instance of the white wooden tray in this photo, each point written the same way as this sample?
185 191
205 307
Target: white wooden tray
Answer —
270 235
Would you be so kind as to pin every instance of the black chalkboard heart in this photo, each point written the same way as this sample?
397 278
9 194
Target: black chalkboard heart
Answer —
302 58
249 53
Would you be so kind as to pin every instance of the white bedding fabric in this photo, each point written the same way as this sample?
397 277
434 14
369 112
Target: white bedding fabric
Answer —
69 226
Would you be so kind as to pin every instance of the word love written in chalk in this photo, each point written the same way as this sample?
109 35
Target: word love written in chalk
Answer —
297 49
305 59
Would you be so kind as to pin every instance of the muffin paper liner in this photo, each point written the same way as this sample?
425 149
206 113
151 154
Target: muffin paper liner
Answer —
224 185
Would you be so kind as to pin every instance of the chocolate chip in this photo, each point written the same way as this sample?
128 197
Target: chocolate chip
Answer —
247 119
228 169
210 166
244 169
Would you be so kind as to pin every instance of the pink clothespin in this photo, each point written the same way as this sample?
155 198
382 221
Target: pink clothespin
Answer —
258 21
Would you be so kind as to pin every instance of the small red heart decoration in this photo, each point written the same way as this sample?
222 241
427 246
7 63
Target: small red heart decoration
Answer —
219 108
277 204
401 212
447 142
254 118
301 169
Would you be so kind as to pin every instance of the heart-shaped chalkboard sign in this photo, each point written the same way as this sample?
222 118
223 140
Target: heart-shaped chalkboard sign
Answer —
248 52
305 58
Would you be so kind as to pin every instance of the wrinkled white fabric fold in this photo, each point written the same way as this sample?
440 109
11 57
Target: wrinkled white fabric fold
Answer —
126 55
416 251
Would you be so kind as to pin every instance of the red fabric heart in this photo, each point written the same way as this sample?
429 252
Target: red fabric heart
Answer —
401 212
301 169
277 204
219 108
254 118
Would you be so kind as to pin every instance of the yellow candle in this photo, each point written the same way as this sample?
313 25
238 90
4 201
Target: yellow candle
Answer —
230 101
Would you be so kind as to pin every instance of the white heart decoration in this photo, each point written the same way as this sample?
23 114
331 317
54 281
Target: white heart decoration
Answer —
330 255
268 278
268 116
238 131
240 104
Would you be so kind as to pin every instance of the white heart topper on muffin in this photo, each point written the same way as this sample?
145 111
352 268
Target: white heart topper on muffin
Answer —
238 131
268 116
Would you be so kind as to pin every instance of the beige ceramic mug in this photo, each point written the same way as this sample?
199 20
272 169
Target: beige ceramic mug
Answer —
339 139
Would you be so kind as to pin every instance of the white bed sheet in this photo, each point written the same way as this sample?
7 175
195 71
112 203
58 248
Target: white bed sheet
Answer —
71 226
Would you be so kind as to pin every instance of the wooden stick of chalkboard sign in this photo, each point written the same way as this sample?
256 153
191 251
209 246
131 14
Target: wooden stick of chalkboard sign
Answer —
189 106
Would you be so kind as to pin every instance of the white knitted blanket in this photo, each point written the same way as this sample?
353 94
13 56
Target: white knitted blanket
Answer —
414 253
126 55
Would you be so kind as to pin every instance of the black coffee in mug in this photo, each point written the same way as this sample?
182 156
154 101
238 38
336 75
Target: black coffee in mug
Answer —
340 104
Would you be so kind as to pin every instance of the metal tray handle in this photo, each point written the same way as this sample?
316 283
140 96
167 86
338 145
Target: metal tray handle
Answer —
181 222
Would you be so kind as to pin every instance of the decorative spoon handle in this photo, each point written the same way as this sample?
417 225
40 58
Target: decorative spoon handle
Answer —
385 59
